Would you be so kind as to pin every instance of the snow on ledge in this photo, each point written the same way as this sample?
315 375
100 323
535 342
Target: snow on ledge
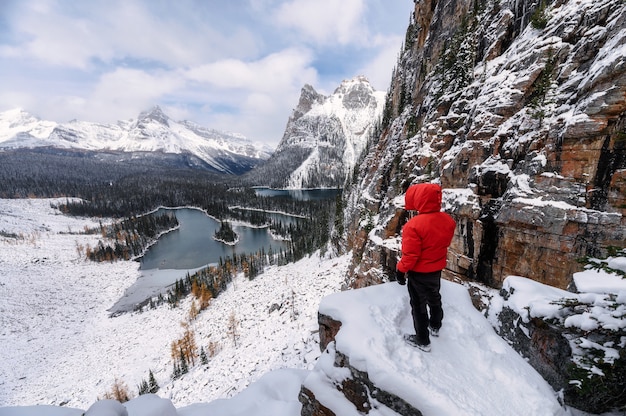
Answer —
603 293
469 362
599 281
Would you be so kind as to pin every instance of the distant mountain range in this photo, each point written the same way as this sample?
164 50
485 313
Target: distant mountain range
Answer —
322 141
152 132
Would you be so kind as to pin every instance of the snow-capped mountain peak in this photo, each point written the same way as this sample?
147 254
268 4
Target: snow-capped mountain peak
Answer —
308 98
326 134
154 114
17 125
152 131
355 93
355 105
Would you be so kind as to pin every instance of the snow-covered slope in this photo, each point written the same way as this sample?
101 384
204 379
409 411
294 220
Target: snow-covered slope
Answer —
66 350
152 131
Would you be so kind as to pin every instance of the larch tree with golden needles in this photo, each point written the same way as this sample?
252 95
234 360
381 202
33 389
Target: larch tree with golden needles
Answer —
205 297
119 391
185 347
233 323
193 311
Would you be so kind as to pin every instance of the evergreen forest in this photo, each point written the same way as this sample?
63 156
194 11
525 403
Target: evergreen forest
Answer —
98 184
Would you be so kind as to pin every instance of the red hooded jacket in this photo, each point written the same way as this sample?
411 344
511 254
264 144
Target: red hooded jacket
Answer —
426 236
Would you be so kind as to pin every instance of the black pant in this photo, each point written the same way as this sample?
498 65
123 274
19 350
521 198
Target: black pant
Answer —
424 291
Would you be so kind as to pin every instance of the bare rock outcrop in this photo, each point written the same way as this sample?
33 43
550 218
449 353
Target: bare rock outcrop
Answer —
359 390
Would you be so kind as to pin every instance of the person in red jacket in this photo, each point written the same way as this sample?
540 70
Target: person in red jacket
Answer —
425 241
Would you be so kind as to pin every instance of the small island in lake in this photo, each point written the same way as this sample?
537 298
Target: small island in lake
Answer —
226 234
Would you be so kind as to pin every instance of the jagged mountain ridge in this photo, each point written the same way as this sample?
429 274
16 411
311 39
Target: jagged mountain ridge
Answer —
153 132
324 137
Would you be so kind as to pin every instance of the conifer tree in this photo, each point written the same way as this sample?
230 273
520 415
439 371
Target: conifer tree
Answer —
203 358
184 369
176 372
153 386
143 388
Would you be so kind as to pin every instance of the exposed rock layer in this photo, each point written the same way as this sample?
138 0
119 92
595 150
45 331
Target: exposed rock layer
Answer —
358 389
522 104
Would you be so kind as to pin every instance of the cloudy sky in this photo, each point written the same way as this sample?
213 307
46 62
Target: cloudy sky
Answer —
233 65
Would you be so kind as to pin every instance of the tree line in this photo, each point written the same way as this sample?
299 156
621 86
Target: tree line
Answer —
103 185
208 282
130 237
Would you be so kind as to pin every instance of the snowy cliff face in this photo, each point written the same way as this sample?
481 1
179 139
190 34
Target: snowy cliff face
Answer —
152 131
518 109
325 135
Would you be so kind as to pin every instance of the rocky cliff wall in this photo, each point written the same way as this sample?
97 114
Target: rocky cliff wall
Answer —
518 109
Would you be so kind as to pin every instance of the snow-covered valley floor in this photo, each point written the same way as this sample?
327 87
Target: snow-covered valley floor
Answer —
62 348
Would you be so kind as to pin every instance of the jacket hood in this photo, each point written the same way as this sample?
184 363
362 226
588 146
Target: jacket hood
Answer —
423 197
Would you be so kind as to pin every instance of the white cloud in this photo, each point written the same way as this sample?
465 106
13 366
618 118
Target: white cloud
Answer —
325 21
267 74
237 67
379 68
17 99
124 93
259 103
264 92
99 32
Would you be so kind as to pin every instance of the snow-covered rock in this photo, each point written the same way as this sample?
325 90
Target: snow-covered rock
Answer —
369 368
324 137
107 407
576 340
